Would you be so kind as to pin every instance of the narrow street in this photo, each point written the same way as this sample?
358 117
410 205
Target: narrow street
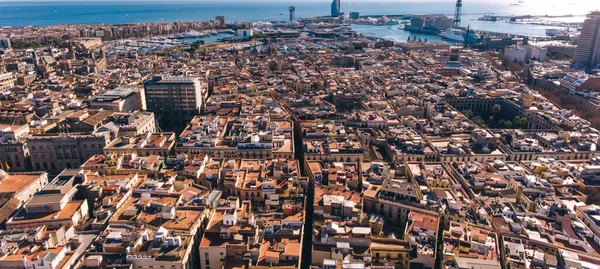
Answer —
309 194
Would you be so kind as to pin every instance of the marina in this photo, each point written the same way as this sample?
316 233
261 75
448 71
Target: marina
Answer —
165 42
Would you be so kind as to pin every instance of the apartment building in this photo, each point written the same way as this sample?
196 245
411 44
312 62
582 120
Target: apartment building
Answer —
174 98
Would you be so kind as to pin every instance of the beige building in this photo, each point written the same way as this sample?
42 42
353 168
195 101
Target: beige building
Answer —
14 156
22 186
7 81
55 152
144 145
122 99
13 153
137 123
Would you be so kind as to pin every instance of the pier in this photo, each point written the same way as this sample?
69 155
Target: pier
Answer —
409 16
513 18
505 35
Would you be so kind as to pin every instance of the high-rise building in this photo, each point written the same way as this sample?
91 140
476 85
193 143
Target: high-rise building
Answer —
292 13
587 53
335 8
176 99
221 19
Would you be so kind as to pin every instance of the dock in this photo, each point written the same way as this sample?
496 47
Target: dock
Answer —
505 35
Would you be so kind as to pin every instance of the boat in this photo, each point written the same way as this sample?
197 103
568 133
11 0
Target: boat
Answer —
556 32
459 35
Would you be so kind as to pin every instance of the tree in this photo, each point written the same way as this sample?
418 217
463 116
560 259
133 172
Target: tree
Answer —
507 124
520 122
468 113
593 195
496 108
195 46
478 120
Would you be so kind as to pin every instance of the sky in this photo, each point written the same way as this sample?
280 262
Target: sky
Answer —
527 2
541 2
222 0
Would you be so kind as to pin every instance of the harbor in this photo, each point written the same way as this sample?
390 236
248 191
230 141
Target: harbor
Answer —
165 42
443 28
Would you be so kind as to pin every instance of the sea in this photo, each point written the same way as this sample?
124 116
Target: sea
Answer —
43 13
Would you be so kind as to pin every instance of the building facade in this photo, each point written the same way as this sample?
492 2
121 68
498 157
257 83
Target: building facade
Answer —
174 98
587 53
120 99
56 152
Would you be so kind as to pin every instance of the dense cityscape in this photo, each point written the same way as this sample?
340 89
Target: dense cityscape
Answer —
299 144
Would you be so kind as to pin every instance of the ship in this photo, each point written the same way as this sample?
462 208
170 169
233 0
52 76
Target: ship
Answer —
191 34
556 32
459 35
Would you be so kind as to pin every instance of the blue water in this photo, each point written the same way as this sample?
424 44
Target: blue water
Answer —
395 34
23 13
42 13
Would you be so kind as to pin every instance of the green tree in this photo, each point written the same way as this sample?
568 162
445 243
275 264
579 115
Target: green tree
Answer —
468 113
478 120
520 122
507 124
496 108
195 46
